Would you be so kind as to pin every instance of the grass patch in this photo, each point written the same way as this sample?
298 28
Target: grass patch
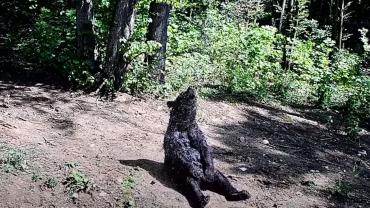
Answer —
77 182
51 182
127 186
12 159
36 176
341 189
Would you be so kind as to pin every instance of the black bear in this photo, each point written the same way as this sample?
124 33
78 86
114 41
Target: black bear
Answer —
188 158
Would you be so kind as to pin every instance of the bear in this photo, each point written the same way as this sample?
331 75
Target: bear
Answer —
188 157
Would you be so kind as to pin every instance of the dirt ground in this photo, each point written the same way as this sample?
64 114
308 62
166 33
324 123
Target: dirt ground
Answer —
284 157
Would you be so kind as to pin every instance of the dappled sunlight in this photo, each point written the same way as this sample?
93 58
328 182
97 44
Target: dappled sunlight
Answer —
285 149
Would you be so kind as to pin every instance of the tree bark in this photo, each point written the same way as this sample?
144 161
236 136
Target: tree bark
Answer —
285 30
86 39
121 30
335 20
340 36
282 15
159 14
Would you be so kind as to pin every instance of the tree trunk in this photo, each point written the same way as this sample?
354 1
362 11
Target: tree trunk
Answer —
159 14
340 36
282 15
121 30
86 39
285 30
335 19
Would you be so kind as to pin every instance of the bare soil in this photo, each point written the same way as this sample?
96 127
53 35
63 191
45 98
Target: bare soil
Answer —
304 164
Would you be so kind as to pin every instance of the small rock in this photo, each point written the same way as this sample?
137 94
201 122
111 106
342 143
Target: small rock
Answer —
326 167
265 142
242 139
92 145
243 169
103 194
299 193
152 183
74 195
362 153
308 183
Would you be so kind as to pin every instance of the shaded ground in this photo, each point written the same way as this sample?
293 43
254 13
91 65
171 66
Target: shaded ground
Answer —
112 143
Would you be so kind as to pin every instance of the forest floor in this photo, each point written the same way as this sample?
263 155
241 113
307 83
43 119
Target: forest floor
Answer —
284 156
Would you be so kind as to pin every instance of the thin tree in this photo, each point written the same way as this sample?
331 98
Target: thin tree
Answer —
282 13
86 38
341 17
159 13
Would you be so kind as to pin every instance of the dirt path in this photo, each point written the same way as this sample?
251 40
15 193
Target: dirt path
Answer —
115 143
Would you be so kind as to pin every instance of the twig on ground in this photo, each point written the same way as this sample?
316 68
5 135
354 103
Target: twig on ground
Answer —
285 146
6 125
48 142
20 118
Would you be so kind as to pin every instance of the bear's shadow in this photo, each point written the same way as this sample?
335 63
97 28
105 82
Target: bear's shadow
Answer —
155 169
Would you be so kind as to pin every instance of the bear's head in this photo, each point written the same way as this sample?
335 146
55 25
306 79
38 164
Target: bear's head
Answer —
184 109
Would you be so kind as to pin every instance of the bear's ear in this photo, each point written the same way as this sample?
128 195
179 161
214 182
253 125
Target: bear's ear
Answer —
191 93
170 104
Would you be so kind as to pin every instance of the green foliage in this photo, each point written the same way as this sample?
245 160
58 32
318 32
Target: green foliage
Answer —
246 11
76 182
12 159
51 42
36 176
217 51
51 182
138 79
336 85
214 44
357 107
341 188
128 184
258 61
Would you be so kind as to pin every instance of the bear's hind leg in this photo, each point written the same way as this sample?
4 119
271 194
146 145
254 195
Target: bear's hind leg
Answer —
221 185
194 194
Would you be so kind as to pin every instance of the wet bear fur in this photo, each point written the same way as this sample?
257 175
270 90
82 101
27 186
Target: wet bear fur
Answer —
188 157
